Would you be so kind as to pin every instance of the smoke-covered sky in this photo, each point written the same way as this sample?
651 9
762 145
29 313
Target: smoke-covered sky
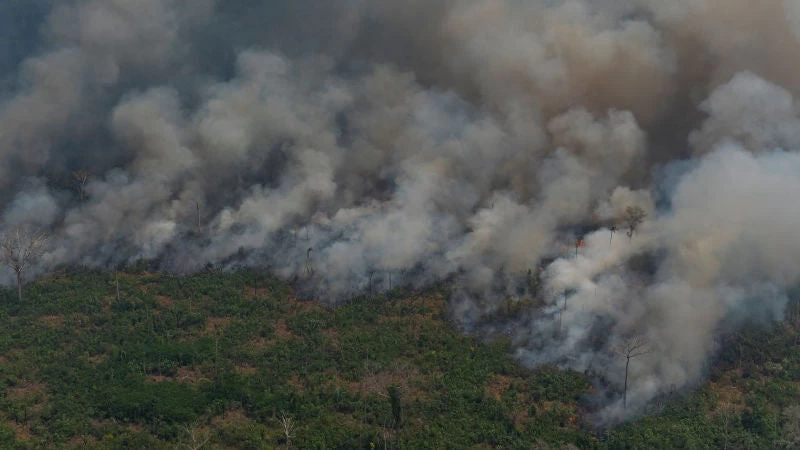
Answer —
360 143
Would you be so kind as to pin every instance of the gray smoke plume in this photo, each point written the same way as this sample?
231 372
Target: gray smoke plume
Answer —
358 145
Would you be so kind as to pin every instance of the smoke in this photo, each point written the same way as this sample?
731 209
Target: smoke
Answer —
356 146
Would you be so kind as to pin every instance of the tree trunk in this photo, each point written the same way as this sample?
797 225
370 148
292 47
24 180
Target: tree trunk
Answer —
560 313
19 284
625 391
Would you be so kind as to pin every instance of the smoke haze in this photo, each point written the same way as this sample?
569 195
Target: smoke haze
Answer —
354 144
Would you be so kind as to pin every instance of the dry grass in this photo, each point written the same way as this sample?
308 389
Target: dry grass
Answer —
53 320
164 301
282 332
252 293
22 431
296 383
245 369
498 385
184 374
26 391
214 324
233 417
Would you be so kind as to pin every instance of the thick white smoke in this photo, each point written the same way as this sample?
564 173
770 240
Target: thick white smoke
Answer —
358 145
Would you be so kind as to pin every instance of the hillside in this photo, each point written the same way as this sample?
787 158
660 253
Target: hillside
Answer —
233 360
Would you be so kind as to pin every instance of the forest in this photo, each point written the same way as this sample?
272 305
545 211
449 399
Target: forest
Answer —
136 359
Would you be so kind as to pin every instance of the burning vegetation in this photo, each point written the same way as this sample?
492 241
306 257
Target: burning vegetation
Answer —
354 147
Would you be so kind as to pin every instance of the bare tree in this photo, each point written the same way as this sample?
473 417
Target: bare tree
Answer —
562 310
578 244
631 348
81 177
726 418
634 216
199 227
197 437
116 282
791 428
287 424
20 247
370 275
309 265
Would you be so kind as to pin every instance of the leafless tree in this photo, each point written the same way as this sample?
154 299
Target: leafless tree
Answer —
726 418
81 177
116 283
287 424
199 227
309 265
198 438
631 348
791 428
371 275
562 310
20 247
634 216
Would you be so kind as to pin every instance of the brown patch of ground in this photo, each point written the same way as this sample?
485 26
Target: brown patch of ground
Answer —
96 359
427 312
135 427
296 383
260 343
107 302
22 432
232 417
216 323
520 416
187 374
251 292
164 301
730 399
157 378
99 423
26 391
245 369
431 305
336 382
498 385
83 441
304 306
332 336
79 320
52 320
402 375
184 374
281 331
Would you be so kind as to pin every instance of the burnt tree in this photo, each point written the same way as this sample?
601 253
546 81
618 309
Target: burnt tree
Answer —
634 216
81 177
20 248
631 348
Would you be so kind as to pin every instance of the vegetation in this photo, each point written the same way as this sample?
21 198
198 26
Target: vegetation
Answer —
234 361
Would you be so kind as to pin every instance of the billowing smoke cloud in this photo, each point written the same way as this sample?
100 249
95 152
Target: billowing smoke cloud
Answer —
363 145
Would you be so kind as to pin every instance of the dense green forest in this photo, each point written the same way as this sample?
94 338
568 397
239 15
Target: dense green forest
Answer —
143 360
